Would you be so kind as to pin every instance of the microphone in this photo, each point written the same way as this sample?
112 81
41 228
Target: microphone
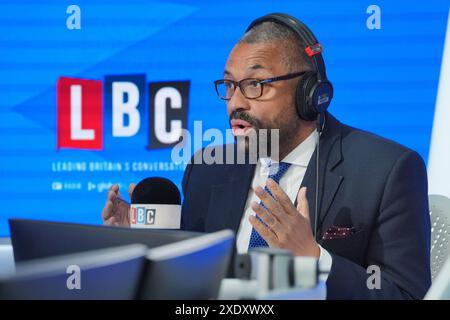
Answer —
155 204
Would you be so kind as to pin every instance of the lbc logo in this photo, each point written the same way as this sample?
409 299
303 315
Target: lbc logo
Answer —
141 215
121 99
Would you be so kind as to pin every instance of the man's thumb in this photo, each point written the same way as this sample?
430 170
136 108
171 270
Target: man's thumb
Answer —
302 203
131 189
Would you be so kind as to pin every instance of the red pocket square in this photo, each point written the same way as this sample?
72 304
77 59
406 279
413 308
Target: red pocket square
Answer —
335 232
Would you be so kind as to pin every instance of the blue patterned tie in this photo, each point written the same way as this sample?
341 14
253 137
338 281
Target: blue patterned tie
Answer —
276 171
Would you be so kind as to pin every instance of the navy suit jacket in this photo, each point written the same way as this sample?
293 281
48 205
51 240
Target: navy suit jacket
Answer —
369 183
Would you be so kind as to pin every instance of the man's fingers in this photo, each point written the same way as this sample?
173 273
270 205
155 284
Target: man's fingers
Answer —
263 231
131 189
281 196
114 187
269 219
110 222
302 203
270 203
111 196
107 210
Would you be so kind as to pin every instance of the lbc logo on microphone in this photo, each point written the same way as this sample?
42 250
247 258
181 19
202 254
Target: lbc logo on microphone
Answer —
142 215
82 106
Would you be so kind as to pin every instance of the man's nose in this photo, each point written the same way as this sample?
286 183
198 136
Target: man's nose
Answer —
238 101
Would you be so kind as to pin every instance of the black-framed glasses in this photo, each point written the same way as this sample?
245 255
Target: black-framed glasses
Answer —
251 88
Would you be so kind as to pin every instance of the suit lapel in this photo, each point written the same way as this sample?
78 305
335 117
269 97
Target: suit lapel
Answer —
329 156
228 199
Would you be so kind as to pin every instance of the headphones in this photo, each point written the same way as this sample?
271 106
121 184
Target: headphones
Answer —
314 92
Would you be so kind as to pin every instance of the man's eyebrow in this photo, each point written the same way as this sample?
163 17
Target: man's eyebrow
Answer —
256 67
252 67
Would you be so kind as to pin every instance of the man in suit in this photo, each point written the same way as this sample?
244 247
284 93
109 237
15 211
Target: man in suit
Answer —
372 192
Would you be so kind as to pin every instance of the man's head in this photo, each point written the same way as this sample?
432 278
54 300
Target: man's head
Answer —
268 50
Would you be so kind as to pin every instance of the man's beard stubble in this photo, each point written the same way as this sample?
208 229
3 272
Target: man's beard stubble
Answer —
282 133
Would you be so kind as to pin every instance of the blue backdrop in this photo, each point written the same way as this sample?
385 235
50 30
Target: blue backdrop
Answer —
385 81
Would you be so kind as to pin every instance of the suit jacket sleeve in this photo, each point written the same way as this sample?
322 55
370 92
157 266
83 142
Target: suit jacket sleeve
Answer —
184 186
399 244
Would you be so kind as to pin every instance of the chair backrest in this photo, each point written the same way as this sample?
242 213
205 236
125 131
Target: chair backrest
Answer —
440 232
440 290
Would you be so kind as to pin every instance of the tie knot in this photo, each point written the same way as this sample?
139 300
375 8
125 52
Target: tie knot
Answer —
277 170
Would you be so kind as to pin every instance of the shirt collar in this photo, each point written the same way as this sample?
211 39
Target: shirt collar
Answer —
301 154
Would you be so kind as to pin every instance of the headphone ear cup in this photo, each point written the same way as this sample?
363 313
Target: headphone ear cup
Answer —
303 101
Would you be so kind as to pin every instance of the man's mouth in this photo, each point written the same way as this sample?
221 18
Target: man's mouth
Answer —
240 127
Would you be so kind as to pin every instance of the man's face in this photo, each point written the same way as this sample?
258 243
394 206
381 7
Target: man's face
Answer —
275 108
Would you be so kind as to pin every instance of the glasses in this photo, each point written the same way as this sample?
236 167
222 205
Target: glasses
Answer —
251 88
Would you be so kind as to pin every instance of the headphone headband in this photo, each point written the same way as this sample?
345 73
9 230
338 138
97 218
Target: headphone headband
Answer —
313 48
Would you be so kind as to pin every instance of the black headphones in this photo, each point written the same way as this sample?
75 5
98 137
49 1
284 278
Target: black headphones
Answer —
314 92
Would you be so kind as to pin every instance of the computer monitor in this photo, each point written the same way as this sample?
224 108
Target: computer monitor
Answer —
6 256
112 273
179 264
35 239
190 269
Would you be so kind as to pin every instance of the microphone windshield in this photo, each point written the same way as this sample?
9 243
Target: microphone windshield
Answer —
156 190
